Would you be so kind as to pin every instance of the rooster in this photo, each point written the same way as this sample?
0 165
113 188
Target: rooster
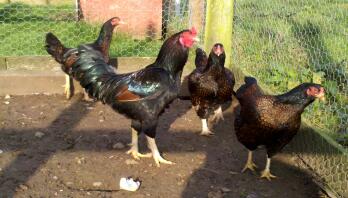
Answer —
270 120
210 85
56 49
142 95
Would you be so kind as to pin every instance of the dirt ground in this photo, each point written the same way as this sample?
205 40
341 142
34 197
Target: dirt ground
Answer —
75 156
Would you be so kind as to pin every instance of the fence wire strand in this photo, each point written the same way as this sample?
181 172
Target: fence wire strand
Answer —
285 43
281 42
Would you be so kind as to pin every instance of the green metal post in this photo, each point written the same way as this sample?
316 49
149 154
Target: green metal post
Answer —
218 29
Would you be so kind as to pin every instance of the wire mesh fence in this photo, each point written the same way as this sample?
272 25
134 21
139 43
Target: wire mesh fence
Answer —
282 43
285 43
23 24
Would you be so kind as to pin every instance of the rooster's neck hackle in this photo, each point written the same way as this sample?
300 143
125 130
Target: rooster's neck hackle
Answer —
105 35
172 56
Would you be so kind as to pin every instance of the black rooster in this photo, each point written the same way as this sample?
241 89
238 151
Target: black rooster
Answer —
269 120
210 85
102 44
142 95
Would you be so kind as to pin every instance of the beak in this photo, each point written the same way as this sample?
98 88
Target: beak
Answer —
196 39
122 23
321 96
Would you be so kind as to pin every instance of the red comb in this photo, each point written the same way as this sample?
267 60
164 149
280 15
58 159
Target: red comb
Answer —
193 31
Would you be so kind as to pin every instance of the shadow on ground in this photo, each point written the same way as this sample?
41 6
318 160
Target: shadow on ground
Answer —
76 153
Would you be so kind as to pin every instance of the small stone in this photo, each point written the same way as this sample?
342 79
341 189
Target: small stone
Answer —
90 108
118 145
1 151
225 190
55 177
80 160
23 187
7 96
233 173
215 194
6 102
39 134
131 162
69 183
97 184
252 195
101 120
56 194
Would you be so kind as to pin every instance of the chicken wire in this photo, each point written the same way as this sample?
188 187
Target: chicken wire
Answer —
285 43
282 43
24 23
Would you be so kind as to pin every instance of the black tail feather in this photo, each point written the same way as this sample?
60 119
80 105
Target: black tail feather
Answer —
249 80
54 47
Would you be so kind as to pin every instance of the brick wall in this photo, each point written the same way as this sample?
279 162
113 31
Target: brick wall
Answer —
144 18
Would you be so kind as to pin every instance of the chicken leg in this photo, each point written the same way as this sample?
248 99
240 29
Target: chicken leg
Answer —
205 129
69 87
218 115
249 164
267 173
155 153
134 150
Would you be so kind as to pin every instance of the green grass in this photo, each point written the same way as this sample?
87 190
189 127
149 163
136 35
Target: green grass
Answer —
285 43
23 29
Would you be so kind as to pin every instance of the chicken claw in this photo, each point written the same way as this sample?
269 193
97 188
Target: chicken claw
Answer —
136 155
155 153
159 159
218 115
249 164
267 174
205 129
207 133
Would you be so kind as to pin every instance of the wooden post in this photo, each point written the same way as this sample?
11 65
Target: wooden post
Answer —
197 14
218 28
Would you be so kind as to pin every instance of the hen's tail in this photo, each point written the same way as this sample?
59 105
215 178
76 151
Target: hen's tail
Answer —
55 48
249 80
250 83
201 59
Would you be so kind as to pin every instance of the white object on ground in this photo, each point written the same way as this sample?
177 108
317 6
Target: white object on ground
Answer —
39 134
129 184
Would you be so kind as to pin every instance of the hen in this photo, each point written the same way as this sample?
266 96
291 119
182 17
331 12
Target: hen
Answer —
55 48
270 120
210 85
142 95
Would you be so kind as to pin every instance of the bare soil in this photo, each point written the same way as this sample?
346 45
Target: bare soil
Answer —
76 151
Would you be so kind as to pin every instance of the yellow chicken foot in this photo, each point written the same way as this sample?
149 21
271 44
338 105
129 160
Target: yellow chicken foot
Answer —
155 153
134 150
267 173
249 164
